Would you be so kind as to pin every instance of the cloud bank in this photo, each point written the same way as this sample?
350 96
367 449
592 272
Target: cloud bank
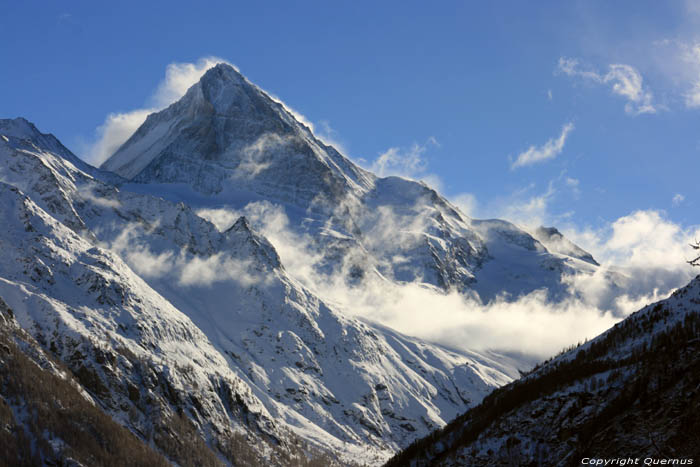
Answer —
642 255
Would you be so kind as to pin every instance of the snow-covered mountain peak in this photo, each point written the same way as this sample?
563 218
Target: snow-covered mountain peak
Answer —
229 92
227 134
241 224
241 237
19 135
19 128
17 132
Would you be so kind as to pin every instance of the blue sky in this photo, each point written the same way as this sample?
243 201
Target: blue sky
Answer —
599 101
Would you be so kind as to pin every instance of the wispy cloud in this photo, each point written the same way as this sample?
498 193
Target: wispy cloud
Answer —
677 199
179 77
407 163
255 157
690 54
549 150
330 136
645 250
181 267
115 130
466 202
624 80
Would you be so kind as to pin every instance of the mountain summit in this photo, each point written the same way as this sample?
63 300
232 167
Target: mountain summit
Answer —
226 131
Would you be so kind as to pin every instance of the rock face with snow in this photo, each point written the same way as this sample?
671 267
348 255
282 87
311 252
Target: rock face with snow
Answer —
630 392
48 419
226 130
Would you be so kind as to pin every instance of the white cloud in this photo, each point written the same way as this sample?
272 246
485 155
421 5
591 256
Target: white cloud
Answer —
180 267
678 59
179 77
646 251
410 163
627 82
255 156
573 184
648 248
677 199
570 67
529 210
528 207
115 130
88 194
624 80
692 97
222 218
205 271
118 127
647 239
551 149
466 202
395 162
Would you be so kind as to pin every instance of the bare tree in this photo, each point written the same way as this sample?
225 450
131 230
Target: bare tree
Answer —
695 246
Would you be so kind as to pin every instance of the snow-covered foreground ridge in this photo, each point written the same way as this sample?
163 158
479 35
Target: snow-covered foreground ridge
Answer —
161 313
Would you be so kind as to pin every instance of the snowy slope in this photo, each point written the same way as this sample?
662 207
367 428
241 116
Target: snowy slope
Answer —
630 392
143 359
46 415
226 144
230 338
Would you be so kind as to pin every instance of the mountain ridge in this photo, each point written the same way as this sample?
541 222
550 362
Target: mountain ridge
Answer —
227 139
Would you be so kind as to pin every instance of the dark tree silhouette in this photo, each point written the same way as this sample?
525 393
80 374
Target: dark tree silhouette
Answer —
695 246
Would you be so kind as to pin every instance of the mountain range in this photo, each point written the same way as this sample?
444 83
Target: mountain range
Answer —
187 287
